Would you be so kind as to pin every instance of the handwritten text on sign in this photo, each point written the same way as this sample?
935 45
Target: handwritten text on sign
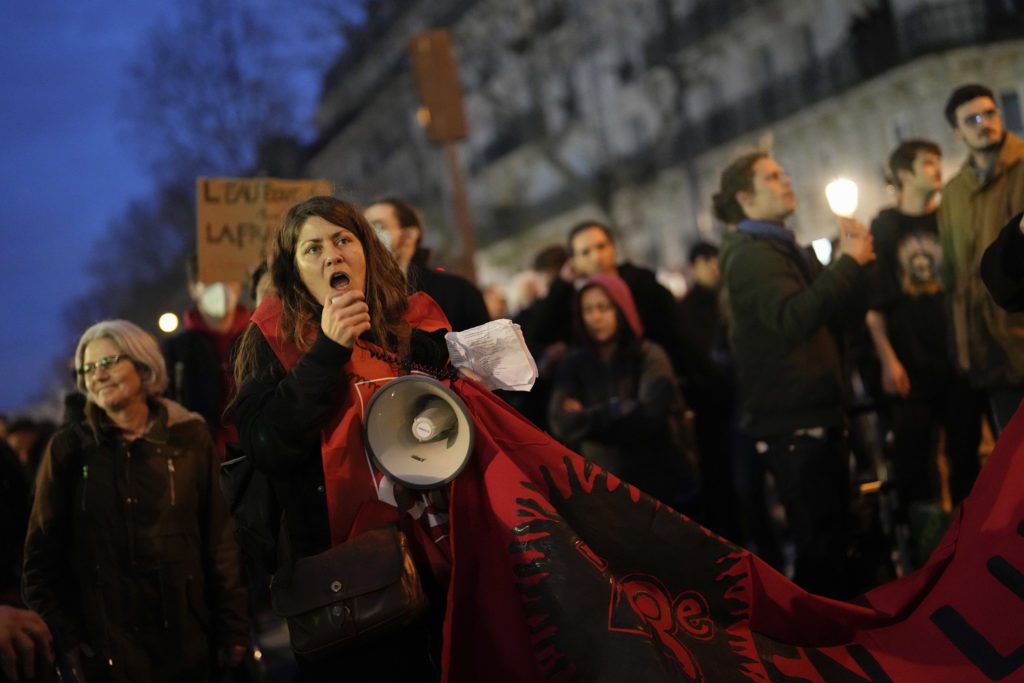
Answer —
237 217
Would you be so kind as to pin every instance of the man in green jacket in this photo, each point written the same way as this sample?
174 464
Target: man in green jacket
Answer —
978 201
787 318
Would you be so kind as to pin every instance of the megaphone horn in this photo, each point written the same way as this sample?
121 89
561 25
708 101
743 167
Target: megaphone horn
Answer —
418 432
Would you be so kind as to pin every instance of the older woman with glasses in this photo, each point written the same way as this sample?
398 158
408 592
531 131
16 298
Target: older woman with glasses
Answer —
129 555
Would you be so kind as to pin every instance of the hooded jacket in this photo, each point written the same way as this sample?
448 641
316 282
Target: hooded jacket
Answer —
989 340
787 317
130 550
631 423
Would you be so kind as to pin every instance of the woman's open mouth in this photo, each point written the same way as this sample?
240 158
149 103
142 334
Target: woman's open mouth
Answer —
339 281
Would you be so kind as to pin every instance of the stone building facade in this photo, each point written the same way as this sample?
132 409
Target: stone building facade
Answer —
627 110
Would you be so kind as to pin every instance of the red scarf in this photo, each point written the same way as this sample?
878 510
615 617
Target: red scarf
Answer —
358 497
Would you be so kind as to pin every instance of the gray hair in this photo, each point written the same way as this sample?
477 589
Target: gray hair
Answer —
134 342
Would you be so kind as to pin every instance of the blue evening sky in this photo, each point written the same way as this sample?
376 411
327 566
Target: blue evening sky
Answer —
65 167
64 170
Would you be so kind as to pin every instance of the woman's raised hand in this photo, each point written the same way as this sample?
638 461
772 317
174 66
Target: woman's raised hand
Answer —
345 317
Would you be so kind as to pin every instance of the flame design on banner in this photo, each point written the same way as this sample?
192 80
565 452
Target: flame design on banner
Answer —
682 612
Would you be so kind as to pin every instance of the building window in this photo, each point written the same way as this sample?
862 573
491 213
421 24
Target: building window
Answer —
1009 103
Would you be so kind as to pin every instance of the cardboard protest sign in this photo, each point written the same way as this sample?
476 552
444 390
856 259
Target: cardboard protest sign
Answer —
236 218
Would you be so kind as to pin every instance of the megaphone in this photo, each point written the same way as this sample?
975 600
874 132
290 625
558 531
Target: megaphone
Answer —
418 432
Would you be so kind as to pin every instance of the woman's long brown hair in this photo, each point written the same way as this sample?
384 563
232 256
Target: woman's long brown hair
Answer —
385 285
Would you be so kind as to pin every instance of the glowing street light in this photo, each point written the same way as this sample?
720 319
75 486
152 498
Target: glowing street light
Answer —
168 323
841 194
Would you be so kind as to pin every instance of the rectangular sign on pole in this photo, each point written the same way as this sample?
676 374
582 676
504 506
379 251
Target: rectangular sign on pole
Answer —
437 80
237 217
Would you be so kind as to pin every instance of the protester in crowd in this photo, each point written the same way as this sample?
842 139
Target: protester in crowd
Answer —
401 226
340 312
3 426
547 263
592 251
910 331
199 357
129 555
979 200
700 322
1002 266
698 310
25 640
787 314
22 437
615 399
14 507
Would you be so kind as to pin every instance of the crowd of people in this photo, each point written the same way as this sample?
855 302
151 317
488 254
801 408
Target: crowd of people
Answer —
122 562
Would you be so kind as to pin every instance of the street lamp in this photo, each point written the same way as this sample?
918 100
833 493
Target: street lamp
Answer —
168 323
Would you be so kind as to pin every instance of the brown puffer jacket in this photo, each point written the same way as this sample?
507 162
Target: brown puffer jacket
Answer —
130 555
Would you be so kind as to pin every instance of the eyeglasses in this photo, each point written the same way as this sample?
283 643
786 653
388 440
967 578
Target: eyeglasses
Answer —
980 117
104 362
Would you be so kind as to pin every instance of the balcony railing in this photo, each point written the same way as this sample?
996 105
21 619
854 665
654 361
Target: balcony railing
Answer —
884 45
888 44
707 17
525 127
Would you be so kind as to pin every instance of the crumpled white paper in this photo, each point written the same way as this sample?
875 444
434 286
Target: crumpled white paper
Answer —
496 351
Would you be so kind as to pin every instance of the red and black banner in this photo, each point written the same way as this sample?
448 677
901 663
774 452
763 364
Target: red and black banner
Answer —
564 573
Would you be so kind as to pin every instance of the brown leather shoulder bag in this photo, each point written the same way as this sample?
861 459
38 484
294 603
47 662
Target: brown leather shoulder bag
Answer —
357 591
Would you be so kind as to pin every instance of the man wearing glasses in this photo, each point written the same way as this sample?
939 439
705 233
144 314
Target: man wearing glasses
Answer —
979 200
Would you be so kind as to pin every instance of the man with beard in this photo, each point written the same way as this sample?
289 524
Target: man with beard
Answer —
980 199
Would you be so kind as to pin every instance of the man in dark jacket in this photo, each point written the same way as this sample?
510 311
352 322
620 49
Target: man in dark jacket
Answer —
700 322
400 226
787 315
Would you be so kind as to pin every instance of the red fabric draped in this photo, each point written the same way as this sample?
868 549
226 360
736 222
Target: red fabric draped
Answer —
562 572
